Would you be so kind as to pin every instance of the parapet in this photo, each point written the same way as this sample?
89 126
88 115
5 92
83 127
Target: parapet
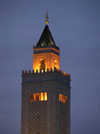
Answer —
31 72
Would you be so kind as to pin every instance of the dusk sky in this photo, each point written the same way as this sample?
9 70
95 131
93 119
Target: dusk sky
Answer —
75 27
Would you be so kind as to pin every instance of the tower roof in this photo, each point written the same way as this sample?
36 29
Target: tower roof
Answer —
46 38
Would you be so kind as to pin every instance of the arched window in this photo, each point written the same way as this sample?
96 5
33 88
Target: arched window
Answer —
37 97
42 64
34 96
55 63
45 96
62 98
41 96
65 99
31 97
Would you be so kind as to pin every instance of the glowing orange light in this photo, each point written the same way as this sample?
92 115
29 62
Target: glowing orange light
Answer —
41 96
45 96
37 97
42 71
31 97
63 98
34 96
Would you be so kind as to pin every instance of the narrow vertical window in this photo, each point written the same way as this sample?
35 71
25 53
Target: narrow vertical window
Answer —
37 97
34 96
41 96
42 64
31 97
59 97
65 99
55 63
45 96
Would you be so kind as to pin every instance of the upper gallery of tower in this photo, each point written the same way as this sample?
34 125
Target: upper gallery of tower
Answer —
46 56
45 52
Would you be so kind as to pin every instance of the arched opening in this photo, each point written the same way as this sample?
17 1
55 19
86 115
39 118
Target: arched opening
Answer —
37 96
45 96
31 97
34 96
65 99
41 96
55 63
42 63
62 98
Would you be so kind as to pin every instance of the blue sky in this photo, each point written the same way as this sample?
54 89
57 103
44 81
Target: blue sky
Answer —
75 26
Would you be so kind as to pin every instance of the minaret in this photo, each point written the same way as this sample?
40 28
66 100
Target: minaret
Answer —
45 90
46 53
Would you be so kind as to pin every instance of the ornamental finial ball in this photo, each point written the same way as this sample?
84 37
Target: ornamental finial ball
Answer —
46 18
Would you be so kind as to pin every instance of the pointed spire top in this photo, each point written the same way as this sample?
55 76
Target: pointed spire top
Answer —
46 38
46 22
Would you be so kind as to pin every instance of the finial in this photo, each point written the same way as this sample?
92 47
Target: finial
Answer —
46 22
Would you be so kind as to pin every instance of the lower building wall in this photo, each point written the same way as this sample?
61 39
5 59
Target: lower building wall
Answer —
62 118
37 117
45 117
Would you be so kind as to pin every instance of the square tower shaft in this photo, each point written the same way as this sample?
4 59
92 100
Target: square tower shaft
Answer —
50 115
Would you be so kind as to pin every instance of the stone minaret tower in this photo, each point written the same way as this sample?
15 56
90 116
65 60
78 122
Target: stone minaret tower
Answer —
45 91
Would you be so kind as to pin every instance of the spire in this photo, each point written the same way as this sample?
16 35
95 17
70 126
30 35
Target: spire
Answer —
46 38
46 22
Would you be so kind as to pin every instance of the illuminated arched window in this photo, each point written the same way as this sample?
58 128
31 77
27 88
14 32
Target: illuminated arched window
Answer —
31 97
62 98
34 96
65 99
42 64
37 97
41 96
45 96
55 63
59 97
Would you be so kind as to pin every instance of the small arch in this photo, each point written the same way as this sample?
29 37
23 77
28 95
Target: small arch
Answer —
65 99
45 96
55 63
31 97
60 97
42 96
37 97
34 96
42 64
